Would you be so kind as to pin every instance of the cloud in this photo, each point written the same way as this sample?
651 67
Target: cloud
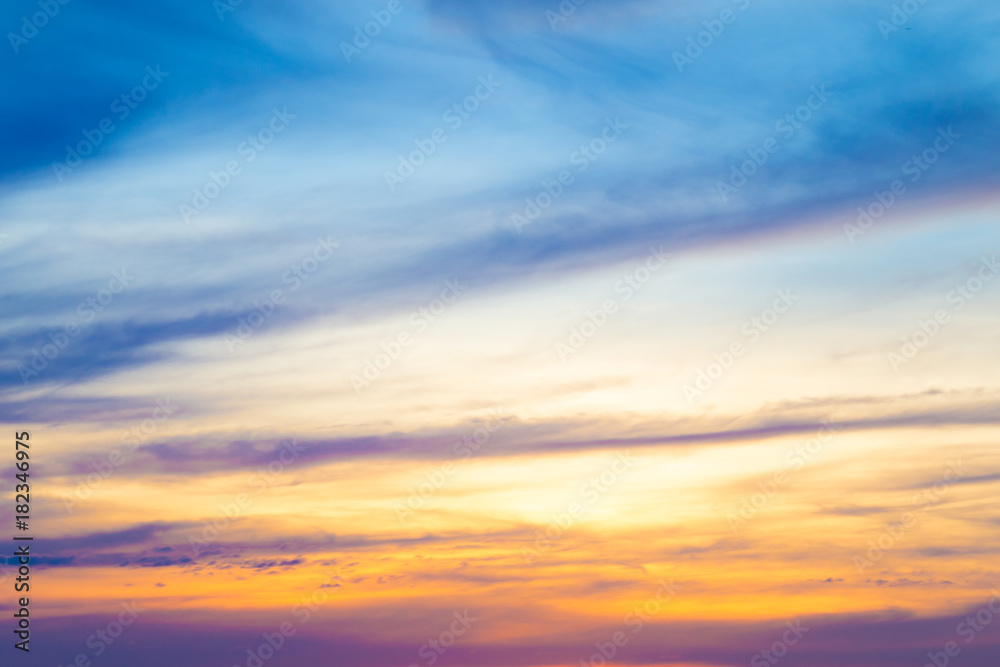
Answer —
658 186
208 455
98 349
163 640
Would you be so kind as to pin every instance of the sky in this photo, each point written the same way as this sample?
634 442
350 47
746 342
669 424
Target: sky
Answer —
510 333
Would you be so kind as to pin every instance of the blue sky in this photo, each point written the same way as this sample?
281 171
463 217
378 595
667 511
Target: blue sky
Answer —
888 97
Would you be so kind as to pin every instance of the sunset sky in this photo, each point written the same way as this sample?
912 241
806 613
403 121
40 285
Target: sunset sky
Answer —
506 333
